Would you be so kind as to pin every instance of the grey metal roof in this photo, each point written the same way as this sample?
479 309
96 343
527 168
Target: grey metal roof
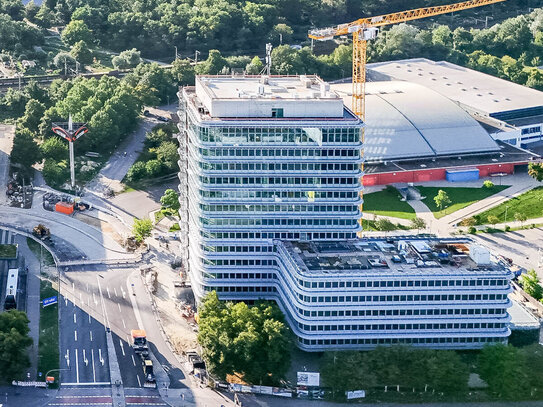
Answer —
477 91
407 120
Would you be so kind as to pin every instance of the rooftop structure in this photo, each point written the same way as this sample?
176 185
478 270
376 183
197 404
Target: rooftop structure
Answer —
405 120
267 97
476 91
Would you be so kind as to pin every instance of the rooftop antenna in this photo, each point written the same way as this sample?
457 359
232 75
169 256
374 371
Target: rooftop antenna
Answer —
71 132
268 58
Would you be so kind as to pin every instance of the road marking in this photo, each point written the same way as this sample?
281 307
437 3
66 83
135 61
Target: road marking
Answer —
133 361
108 294
89 318
124 325
75 319
73 286
85 358
94 299
115 290
100 356
119 305
104 311
124 292
67 357
76 367
122 347
90 332
84 384
93 370
88 302
66 301
139 382
75 335
135 306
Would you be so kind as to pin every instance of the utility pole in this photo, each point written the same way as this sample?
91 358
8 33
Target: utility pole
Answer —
268 58
67 131
196 53
175 59
486 20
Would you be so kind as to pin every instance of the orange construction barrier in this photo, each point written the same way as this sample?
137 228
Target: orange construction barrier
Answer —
64 207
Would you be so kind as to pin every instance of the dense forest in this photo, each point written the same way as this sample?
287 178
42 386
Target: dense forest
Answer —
155 27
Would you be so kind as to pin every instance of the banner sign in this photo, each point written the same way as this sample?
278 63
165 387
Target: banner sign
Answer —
308 379
50 301
357 394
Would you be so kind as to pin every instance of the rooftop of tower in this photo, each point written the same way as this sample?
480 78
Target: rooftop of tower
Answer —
266 97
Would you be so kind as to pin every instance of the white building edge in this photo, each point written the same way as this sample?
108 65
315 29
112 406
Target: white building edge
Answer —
270 192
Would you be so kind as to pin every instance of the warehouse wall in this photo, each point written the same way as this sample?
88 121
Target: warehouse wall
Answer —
431 175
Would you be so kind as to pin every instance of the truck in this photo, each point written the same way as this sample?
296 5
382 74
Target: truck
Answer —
150 381
139 342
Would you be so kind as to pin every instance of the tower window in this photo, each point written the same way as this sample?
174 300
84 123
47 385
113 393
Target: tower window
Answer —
277 112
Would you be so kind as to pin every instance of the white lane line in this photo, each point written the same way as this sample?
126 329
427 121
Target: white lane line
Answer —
135 306
88 302
139 382
122 347
124 325
133 361
75 319
75 336
89 318
85 358
90 332
108 294
104 311
124 292
100 356
119 305
115 290
80 298
94 299
66 301
76 367
93 370
73 286
67 357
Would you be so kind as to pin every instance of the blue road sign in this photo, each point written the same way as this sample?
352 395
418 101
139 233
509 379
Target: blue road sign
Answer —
50 301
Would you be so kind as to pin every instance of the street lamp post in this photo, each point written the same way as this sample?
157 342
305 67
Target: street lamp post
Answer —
196 53
506 207
68 132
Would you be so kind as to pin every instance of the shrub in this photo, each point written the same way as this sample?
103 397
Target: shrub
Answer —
488 184
472 230
507 228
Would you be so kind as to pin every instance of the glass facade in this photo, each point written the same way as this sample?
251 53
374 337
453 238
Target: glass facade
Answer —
248 185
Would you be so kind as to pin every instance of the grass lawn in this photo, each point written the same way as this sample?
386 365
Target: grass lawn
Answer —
529 203
387 203
35 248
161 214
460 197
371 226
48 356
8 251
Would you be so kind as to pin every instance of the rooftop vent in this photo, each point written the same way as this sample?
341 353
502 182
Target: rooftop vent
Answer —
423 165
507 99
448 84
478 94
444 77
464 89
474 87
495 160
458 82
409 70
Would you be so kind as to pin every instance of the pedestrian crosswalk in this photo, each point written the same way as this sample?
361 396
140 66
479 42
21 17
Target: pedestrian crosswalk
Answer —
6 237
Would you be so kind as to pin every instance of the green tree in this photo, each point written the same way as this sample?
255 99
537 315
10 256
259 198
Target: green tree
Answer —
129 58
281 31
492 219
170 199
497 364
442 199
142 229
254 67
82 53
153 168
76 31
488 184
471 221
64 61
520 217
384 225
54 148
183 72
14 341
253 341
535 170
213 65
137 171
55 173
418 223
167 154
531 283
25 150
33 114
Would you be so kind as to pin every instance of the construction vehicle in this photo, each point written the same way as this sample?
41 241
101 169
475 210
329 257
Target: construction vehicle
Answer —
366 29
150 381
139 342
41 232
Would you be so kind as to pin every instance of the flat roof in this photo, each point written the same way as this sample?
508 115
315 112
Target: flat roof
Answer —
271 87
521 317
506 154
488 95
396 255
408 120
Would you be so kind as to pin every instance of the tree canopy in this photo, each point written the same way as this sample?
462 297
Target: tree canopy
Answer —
251 341
14 341
170 199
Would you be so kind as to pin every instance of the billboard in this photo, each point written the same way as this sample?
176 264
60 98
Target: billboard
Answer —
356 394
308 379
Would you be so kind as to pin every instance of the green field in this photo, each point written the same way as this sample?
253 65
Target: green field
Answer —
35 248
460 197
529 203
48 355
8 251
387 203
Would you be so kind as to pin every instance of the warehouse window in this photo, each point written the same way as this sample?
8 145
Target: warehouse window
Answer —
277 112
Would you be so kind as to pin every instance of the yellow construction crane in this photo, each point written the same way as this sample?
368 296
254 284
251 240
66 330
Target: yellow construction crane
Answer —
366 29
